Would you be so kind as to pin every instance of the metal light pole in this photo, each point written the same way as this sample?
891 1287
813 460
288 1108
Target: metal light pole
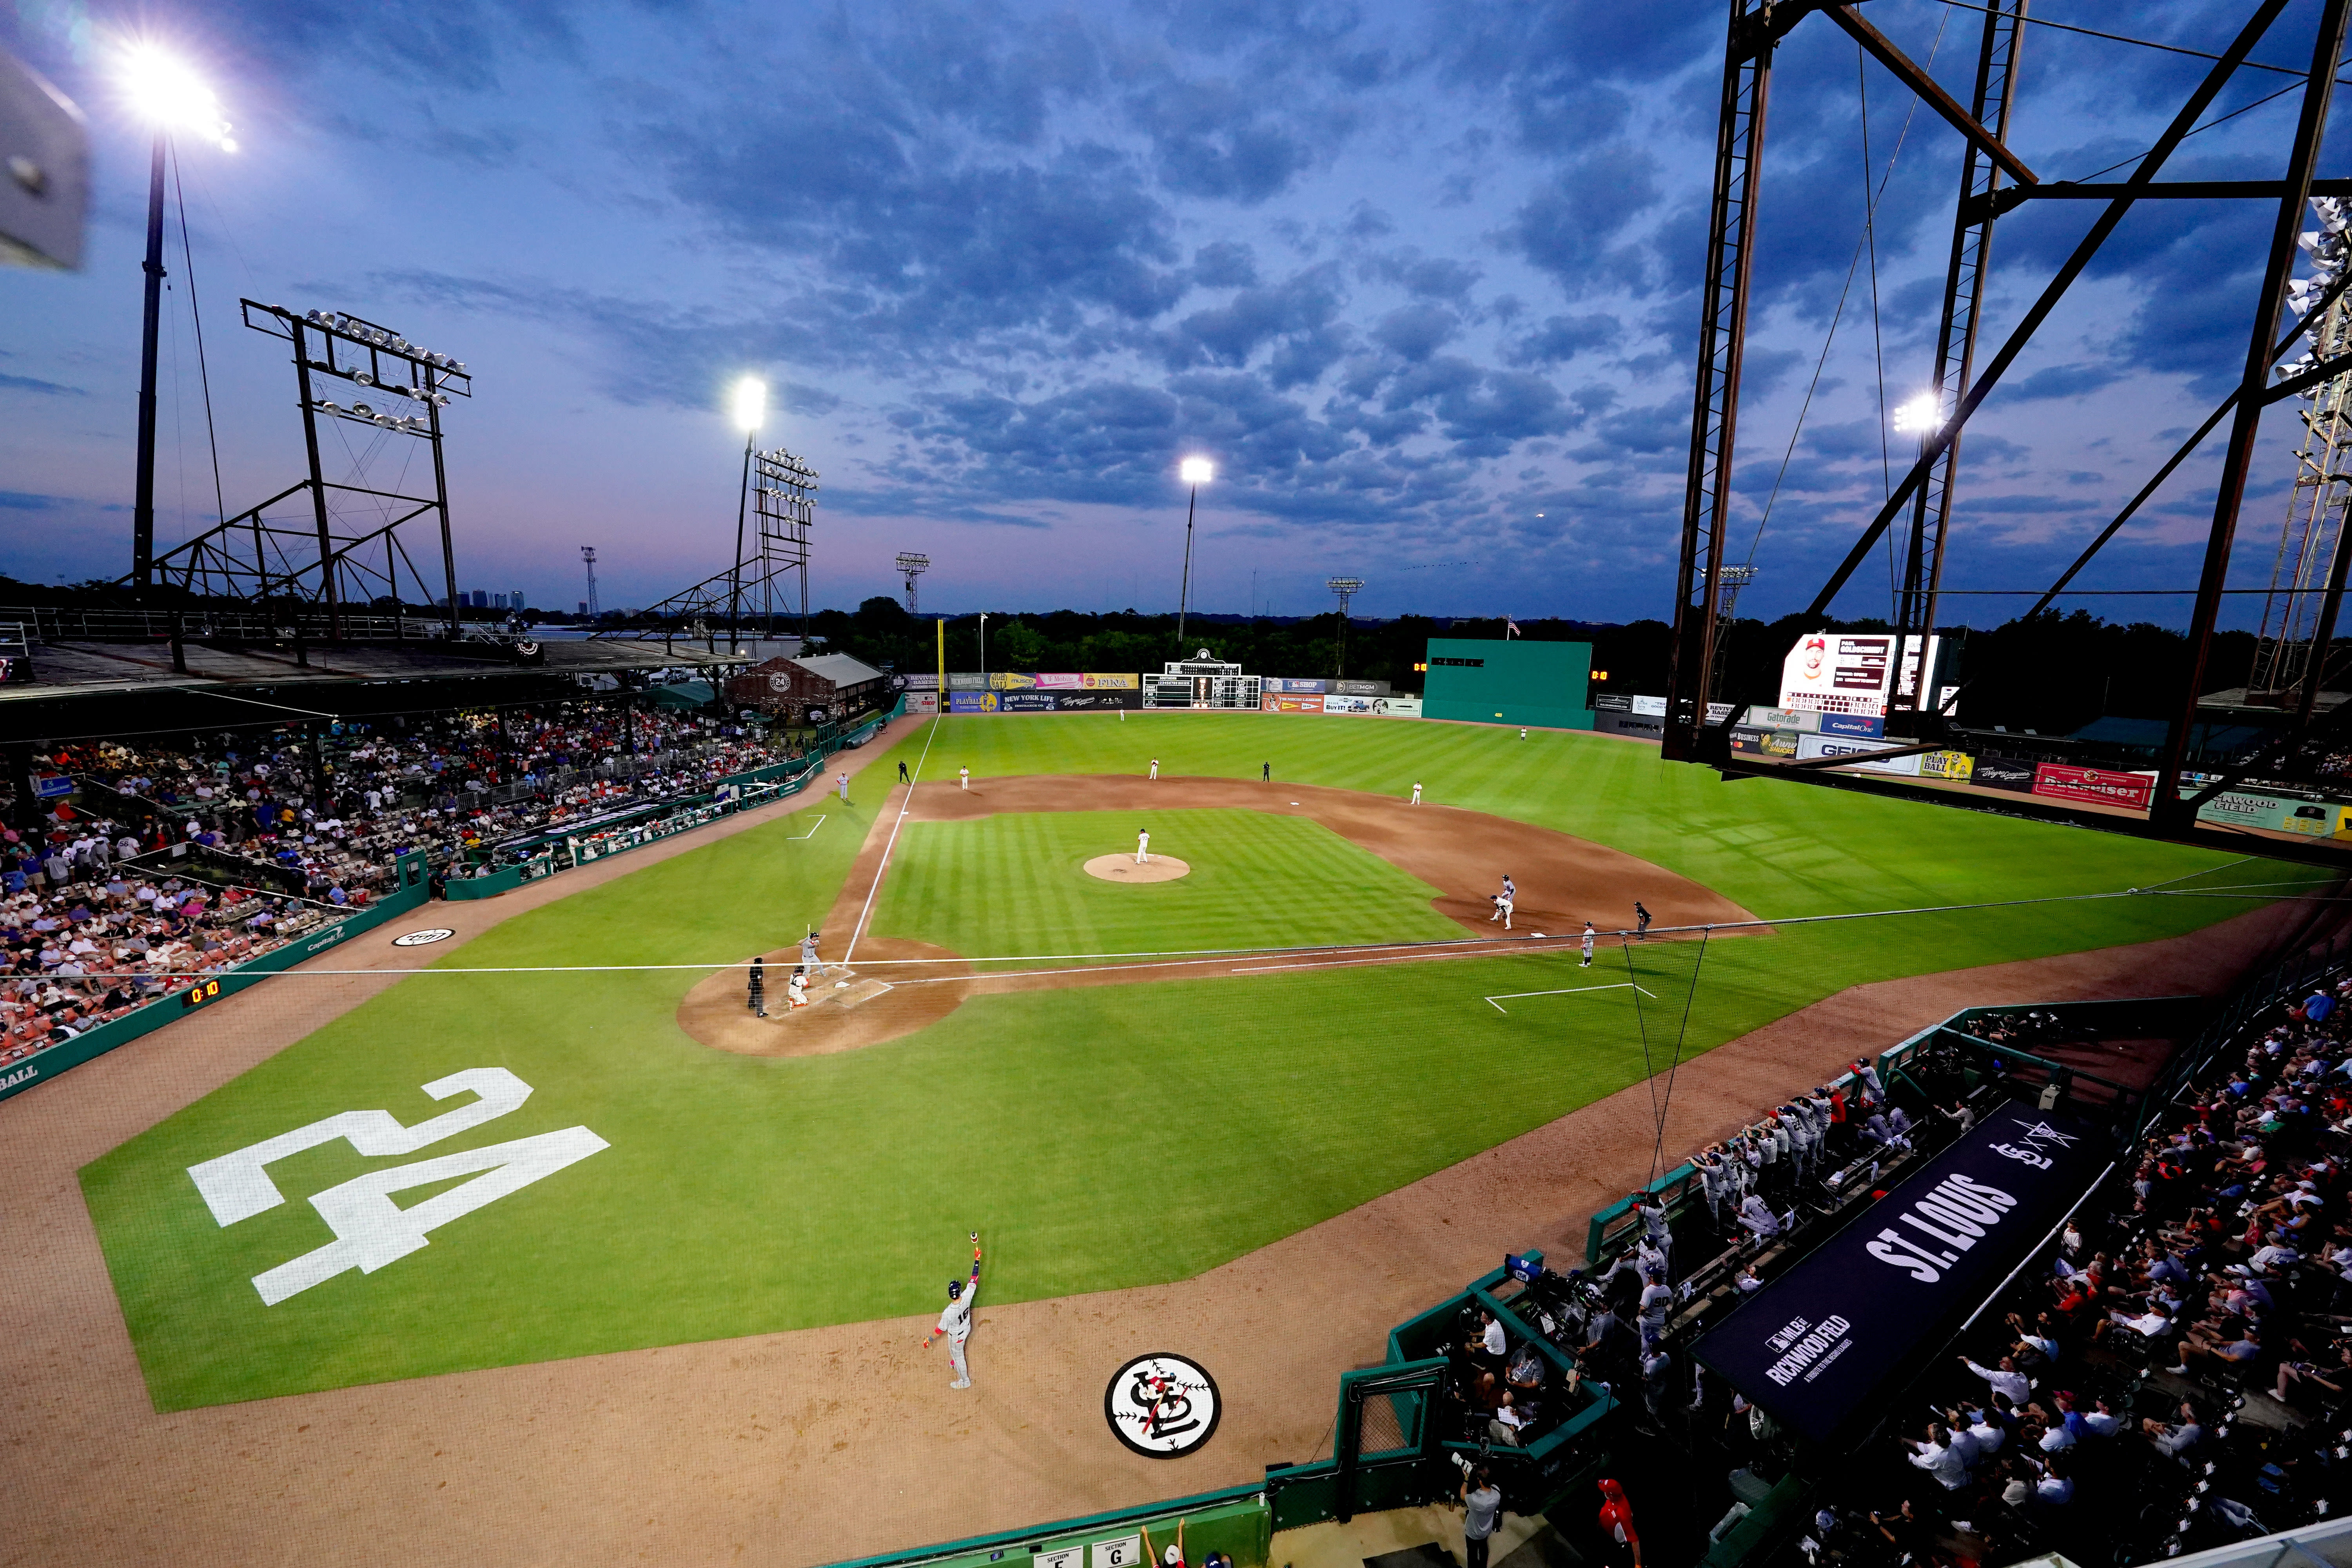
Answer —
1196 471
1345 588
751 411
983 650
142 505
169 96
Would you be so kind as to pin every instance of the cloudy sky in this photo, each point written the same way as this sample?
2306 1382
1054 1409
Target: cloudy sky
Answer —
1422 281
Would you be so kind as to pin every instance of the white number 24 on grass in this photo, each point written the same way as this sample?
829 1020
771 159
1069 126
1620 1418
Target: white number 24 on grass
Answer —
371 1230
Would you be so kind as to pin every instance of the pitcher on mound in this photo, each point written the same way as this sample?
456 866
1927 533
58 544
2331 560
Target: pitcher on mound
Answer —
955 1322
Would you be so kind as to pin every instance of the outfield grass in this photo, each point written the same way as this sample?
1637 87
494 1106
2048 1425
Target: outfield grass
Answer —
1102 1137
1257 880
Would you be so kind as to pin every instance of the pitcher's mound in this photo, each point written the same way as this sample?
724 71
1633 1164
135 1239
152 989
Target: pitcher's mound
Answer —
1123 869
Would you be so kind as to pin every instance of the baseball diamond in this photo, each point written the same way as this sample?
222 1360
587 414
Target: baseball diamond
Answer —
713 1226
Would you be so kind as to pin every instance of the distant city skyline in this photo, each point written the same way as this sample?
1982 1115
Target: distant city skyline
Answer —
1418 280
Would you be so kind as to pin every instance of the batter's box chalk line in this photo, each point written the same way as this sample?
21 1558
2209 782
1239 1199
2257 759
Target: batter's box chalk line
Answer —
1496 1002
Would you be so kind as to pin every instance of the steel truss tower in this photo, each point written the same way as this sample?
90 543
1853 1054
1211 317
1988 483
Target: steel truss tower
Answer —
780 493
2306 584
327 546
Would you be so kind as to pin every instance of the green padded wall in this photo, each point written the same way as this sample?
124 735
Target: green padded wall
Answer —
1512 682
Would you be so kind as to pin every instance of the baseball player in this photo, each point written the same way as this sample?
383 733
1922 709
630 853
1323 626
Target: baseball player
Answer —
1155 767
1510 889
809 960
1588 946
1640 920
1266 772
1502 910
963 778
795 991
843 780
1143 848
1416 791
955 1322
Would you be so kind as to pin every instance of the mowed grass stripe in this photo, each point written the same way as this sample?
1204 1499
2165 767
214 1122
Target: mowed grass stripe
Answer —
1016 885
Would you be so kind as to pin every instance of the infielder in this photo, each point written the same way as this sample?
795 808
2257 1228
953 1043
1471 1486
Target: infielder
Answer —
1143 848
1416 791
1155 767
963 778
1502 910
1588 946
955 1322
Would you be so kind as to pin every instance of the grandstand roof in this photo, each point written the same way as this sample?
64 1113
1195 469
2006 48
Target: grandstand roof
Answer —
840 669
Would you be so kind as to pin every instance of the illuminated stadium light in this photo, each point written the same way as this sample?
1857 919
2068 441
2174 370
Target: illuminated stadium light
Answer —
1197 470
1920 417
750 404
172 99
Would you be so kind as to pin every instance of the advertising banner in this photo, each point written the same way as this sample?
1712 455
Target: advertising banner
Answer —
928 680
1852 725
1801 720
1809 746
1766 742
967 680
2311 816
1285 704
1649 707
972 701
1286 684
1628 724
1946 765
2002 772
2057 780
1360 688
1822 1345
1096 702
1095 680
1027 701
1374 707
922 702
1611 702
1717 712
1011 681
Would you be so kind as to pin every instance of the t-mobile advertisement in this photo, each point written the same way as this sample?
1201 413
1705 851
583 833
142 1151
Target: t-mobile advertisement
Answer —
1819 1346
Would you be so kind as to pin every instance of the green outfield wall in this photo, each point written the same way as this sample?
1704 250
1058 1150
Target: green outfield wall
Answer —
1509 682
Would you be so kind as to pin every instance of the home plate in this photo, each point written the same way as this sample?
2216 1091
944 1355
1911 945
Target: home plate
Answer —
862 990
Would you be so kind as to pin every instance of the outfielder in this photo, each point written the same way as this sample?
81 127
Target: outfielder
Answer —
1588 946
955 1322
1143 848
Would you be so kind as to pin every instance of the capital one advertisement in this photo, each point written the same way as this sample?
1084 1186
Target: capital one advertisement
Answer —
1826 1344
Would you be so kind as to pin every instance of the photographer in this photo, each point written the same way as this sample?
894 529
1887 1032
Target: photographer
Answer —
1482 1513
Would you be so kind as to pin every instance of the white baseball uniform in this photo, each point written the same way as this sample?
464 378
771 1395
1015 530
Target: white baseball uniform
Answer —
1416 793
956 1324
1588 948
1155 767
1143 848
843 779
963 778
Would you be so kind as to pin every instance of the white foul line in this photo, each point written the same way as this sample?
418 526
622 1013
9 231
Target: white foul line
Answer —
812 832
892 843
1497 1000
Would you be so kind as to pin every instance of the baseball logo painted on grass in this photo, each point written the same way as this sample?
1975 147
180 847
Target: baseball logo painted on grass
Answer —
1162 1405
424 938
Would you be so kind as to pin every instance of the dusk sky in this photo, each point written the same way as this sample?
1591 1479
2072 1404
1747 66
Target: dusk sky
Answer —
1422 281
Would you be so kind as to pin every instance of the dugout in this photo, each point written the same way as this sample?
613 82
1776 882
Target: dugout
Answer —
1509 682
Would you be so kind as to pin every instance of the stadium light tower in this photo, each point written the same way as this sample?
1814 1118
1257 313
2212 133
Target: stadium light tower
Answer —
588 558
169 97
911 566
751 411
1345 588
1195 472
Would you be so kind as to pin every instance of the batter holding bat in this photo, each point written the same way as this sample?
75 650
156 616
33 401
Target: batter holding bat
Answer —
955 1322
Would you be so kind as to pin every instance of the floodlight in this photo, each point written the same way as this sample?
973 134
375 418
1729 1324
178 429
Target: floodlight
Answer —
366 378
170 97
361 409
750 404
1197 470
1922 415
